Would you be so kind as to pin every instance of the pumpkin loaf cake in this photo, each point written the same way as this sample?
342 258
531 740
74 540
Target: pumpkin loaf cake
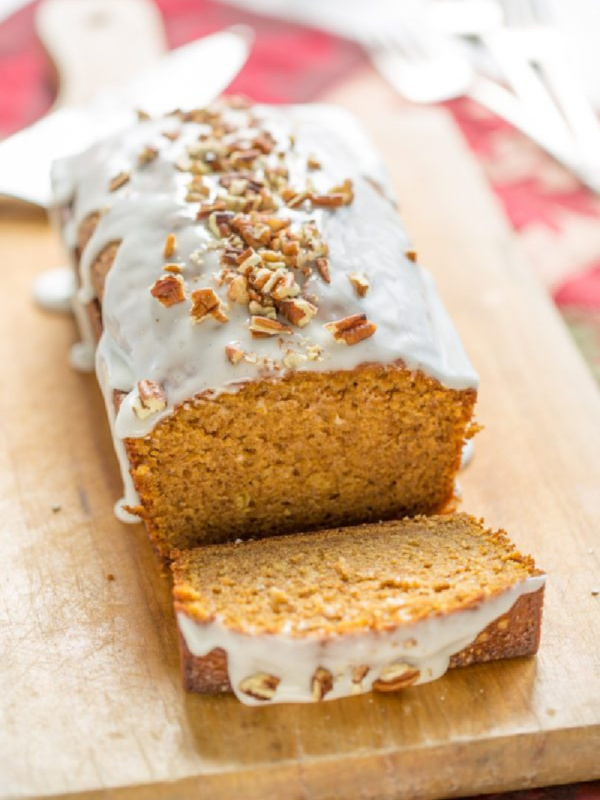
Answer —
271 356
383 606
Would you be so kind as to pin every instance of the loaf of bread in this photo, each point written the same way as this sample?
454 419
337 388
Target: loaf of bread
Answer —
381 606
271 356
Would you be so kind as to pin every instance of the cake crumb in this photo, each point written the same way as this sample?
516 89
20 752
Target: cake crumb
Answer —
110 577
595 591
55 508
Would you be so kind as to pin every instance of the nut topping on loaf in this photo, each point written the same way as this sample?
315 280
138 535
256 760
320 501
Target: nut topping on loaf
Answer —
151 399
169 289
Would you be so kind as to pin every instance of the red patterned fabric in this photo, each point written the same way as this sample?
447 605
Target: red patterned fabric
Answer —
556 219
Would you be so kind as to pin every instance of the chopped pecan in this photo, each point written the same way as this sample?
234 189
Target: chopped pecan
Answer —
312 162
298 311
237 290
150 399
170 246
263 326
341 195
411 255
238 186
360 283
264 142
328 200
322 265
293 359
206 209
197 190
261 686
218 223
352 329
183 164
314 352
234 353
245 158
293 199
396 676
359 674
206 302
169 290
119 180
322 683
147 155
249 252
261 310
176 268
276 224
285 287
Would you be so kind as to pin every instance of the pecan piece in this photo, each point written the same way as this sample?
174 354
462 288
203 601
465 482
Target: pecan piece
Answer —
247 259
151 399
293 359
360 283
285 287
169 290
261 686
119 180
263 326
351 330
396 676
234 353
170 246
359 674
237 290
206 302
322 683
322 265
261 310
411 255
147 155
298 311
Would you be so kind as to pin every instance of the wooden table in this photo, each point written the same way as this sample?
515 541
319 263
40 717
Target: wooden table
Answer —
91 702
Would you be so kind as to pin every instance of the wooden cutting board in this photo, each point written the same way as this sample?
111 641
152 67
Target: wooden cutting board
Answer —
89 688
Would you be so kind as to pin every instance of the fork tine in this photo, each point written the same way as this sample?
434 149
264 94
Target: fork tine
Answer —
516 12
542 11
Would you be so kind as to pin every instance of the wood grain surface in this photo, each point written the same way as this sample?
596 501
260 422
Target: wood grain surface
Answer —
90 700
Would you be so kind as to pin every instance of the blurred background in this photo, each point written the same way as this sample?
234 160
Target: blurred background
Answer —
520 78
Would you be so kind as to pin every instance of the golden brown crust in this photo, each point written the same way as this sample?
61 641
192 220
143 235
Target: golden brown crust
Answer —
514 635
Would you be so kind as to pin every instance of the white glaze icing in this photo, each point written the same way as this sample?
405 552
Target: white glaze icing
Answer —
144 340
82 354
468 452
53 290
294 660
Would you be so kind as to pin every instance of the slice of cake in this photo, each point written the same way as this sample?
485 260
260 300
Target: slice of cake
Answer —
271 357
383 606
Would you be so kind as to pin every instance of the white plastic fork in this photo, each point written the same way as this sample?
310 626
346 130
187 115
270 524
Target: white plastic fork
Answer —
541 43
422 68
